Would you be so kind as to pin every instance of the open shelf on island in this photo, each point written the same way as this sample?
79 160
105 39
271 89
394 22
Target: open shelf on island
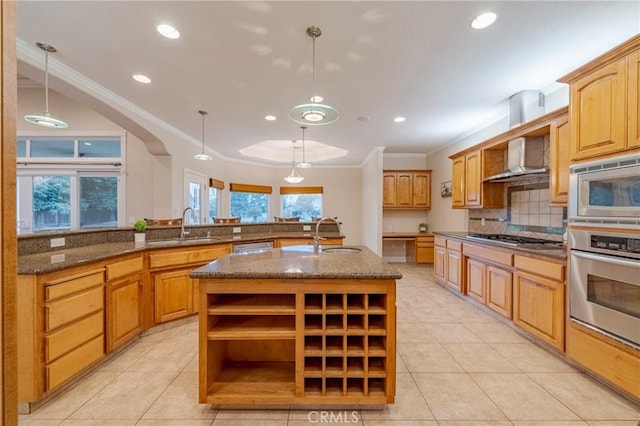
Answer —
239 379
246 304
257 327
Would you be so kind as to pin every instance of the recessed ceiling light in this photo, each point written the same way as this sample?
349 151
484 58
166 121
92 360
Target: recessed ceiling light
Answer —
316 99
399 119
168 31
270 117
141 78
483 20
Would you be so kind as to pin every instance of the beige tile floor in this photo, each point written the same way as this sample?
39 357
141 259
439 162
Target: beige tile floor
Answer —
457 366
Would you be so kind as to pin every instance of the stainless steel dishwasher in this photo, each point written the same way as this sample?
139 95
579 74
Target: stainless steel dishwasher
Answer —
252 247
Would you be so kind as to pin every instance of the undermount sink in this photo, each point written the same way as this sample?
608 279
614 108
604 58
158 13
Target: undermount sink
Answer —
341 250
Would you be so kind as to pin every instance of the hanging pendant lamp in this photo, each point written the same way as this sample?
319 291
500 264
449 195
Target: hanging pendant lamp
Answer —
303 164
293 177
313 114
46 120
202 155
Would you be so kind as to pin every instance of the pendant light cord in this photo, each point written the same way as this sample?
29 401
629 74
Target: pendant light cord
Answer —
313 73
304 160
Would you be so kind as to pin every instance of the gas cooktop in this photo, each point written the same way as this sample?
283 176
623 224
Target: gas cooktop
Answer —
516 240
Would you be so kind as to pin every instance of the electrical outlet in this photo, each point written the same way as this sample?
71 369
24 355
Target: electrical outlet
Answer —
236 229
306 227
57 258
57 242
237 237
482 221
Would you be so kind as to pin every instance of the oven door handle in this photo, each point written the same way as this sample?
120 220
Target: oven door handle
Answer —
608 259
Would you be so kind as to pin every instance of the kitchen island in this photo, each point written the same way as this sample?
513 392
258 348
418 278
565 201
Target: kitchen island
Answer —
295 326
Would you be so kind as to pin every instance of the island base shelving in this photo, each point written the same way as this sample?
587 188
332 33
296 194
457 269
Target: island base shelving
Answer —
297 341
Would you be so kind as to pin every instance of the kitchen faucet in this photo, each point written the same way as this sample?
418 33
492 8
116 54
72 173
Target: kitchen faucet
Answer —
317 237
183 233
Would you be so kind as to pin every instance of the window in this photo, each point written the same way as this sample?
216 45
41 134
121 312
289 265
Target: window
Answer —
69 183
250 202
215 186
303 202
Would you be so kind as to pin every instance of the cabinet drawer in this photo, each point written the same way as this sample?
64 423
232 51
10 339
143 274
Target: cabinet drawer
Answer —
441 241
66 310
483 252
68 338
454 245
186 257
74 284
424 241
555 271
124 268
70 364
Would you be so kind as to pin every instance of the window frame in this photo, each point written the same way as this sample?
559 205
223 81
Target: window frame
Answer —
301 190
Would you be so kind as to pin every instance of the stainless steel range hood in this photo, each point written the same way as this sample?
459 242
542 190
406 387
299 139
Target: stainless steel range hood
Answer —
525 156
525 159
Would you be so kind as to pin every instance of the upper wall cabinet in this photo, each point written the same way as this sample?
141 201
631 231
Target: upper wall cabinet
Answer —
559 162
406 189
603 106
468 191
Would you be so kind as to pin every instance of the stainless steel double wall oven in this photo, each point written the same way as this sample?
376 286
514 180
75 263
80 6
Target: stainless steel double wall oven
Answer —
604 244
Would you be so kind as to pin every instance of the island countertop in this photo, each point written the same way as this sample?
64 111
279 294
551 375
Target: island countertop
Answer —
296 262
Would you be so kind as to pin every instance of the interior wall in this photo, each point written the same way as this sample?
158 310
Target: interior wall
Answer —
371 201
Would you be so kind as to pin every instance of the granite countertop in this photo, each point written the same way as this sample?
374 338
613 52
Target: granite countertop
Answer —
556 253
296 262
54 260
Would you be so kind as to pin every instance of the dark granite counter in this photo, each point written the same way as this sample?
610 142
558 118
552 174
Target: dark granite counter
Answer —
54 260
300 262
556 253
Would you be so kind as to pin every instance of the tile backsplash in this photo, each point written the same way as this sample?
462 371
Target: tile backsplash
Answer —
527 214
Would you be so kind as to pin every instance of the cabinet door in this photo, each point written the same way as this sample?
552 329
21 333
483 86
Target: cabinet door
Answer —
597 110
123 311
173 295
404 189
457 184
499 284
559 162
440 262
473 179
389 189
633 107
476 283
454 270
538 307
422 190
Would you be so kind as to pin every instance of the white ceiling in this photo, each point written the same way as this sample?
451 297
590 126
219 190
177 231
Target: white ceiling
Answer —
243 60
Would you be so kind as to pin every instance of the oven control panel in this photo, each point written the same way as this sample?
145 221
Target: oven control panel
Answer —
606 242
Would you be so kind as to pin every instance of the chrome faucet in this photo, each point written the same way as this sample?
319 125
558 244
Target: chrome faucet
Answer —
183 233
317 237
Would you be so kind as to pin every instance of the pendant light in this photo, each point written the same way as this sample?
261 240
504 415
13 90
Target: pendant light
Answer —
313 113
202 155
304 164
46 119
293 177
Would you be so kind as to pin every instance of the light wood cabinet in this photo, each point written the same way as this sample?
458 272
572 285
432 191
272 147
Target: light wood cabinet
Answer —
468 170
458 182
499 290
539 299
406 189
272 341
603 103
123 301
424 249
476 280
559 159
633 107
173 291
454 266
488 280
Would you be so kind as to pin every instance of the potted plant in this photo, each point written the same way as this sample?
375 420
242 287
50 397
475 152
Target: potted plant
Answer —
139 226
423 227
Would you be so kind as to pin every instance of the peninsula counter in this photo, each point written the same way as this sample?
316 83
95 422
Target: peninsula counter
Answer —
290 326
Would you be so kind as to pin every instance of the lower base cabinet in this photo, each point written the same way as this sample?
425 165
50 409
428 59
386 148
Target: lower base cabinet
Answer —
273 341
499 294
539 301
123 311
173 295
